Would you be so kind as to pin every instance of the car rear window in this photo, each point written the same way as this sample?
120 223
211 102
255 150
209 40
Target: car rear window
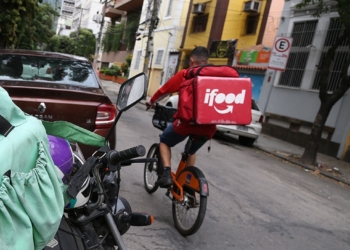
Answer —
48 69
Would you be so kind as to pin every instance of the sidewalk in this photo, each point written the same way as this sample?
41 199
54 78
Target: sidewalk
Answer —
328 166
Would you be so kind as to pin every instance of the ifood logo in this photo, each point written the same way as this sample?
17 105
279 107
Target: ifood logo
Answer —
212 97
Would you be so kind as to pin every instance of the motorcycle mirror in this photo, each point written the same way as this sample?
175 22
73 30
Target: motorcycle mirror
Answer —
131 92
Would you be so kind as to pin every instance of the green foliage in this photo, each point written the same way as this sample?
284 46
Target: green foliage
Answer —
125 66
85 43
323 6
103 70
113 37
125 69
128 60
84 46
62 44
25 24
123 32
132 25
114 70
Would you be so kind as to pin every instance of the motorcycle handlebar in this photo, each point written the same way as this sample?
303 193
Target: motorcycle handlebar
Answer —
115 157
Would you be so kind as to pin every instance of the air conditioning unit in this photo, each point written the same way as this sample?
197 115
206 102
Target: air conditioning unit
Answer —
97 18
252 6
198 8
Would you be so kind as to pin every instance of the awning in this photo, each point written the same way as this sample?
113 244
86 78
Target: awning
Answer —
250 67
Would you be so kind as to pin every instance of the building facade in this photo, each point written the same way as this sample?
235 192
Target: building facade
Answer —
66 17
56 5
84 13
252 61
119 38
290 99
165 43
223 25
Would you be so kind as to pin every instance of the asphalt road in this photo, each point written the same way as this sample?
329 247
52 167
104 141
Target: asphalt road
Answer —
256 201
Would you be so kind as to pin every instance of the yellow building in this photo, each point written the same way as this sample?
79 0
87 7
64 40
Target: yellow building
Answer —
221 25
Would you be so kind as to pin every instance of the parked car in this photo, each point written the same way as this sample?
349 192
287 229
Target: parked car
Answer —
58 87
247 134
172 101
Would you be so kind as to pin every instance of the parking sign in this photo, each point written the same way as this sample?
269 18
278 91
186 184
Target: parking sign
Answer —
280 53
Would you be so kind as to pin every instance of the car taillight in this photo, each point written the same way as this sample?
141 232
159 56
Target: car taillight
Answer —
261 119
106 114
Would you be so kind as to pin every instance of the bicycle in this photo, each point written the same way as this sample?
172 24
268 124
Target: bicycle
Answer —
190 189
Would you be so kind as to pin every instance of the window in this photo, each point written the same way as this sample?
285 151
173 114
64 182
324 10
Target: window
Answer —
199 23
47 69
251 24
138 59
335 30
159 57
303 35
169 8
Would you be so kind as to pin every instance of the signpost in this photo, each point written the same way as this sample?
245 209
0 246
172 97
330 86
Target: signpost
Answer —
280 53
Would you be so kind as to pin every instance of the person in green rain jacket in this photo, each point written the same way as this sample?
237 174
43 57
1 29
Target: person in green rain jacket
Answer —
31 192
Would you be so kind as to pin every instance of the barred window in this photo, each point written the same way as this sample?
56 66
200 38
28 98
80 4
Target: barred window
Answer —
169 8
138 59
303 35
159 57
199 23
335 30
251 24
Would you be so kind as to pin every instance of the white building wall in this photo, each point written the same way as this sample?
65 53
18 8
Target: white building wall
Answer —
303 103
167 36
66 16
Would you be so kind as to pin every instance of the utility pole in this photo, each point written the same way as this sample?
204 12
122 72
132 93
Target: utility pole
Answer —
98 41
81 15
150 33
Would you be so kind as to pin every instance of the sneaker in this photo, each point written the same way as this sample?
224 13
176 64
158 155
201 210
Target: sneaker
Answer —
165 180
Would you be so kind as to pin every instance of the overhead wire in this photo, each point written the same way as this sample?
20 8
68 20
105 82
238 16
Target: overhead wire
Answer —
229 18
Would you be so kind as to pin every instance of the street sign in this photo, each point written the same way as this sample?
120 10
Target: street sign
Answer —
280 53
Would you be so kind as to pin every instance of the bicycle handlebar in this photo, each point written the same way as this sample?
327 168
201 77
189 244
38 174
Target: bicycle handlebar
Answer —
114 156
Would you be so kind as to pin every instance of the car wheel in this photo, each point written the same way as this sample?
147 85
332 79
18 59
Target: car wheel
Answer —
246 141
169 104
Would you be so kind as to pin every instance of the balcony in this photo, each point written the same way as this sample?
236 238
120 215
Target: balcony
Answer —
113 13
128 5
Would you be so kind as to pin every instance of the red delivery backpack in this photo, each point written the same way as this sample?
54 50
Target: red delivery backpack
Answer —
214 94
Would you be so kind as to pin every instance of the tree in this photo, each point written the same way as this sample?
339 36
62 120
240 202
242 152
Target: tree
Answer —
328 99
25 24
38 30
62 44
85 44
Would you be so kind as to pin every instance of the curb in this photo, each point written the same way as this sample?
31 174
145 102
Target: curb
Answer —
305 166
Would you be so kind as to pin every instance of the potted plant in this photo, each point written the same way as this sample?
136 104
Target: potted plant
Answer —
102 74
110 73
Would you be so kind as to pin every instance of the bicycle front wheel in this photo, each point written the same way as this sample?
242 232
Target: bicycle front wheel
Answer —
150 173
189 214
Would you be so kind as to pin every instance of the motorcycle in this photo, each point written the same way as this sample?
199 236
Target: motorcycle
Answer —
96 214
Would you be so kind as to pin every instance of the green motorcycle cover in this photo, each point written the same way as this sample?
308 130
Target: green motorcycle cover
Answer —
32 196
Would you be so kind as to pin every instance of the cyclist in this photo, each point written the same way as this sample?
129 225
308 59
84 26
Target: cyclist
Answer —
179 130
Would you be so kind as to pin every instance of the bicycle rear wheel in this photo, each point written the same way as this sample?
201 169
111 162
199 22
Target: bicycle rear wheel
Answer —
189 214
151 170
